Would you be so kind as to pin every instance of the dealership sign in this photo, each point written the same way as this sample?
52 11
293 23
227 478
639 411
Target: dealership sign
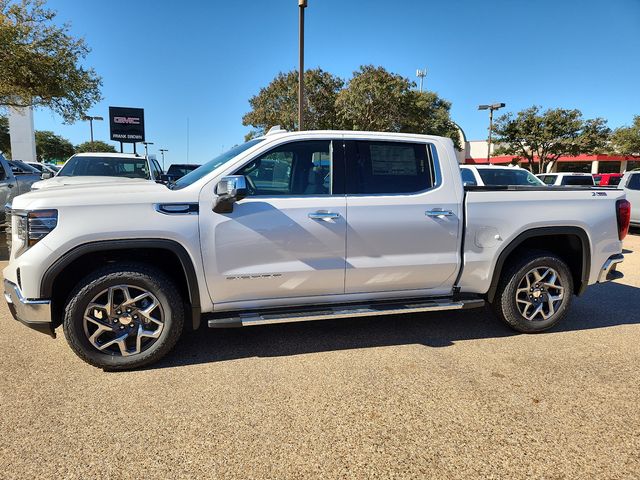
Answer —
126 124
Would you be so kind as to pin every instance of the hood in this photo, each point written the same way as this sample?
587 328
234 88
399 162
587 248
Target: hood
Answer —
113 193
67 181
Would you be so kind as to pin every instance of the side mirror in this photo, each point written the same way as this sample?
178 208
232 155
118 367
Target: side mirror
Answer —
164 178
46 175
229 190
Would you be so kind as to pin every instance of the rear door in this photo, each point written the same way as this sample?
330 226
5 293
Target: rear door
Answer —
402 232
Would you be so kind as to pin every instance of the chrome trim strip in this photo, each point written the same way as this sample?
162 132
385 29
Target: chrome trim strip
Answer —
186 208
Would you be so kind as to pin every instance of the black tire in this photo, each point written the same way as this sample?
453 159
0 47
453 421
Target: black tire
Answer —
137 275
504 302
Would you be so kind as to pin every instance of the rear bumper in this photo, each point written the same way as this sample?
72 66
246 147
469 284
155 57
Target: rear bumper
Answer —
609 270
35 314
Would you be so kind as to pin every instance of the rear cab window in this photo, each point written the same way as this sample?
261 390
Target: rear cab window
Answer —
577 180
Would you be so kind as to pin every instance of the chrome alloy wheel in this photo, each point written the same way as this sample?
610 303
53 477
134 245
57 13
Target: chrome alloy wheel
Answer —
123 320
539 294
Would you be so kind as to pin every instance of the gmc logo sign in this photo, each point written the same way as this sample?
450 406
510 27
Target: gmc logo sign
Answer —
126 124
127 120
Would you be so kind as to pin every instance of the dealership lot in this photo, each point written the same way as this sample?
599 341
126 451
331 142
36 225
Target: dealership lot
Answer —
444 395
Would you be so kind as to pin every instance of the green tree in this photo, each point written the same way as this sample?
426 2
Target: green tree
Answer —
50 146
543 137
5 141
40 62
277 103
626 140
375 100
95 146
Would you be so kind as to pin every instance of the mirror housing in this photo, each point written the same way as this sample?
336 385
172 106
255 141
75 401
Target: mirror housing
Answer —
164 178
229 190
46 175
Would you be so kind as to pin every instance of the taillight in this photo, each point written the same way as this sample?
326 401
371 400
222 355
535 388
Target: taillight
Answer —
623 213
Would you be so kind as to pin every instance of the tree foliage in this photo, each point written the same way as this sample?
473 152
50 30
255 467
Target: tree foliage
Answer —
277 103
50 146
5 141
374 99
95 146
541 138
626 140
40 62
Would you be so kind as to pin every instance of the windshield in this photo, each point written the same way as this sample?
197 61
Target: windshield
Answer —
105 167
508 176
210 166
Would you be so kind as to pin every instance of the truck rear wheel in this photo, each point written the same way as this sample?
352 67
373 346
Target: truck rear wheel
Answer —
535 292
124 317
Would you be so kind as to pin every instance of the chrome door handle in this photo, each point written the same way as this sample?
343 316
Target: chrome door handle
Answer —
439 213
326 216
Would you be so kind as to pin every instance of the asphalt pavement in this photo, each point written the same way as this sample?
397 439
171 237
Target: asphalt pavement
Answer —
446 395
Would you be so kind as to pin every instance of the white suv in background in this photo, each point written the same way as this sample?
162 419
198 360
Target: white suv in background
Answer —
491 175
556 179
90 168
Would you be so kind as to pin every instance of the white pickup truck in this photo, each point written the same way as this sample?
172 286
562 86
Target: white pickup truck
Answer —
301 226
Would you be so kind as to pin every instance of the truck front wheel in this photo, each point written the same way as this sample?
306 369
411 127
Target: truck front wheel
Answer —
534 292
123 317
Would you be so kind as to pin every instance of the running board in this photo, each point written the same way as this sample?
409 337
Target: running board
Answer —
342 311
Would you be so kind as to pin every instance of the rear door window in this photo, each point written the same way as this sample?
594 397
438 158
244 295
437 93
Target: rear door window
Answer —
378 168
468 177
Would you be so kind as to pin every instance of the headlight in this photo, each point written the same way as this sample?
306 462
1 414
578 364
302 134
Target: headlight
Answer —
32 226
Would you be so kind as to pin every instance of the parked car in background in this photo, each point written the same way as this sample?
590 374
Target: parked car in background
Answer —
21 168
566 179
607 179
12 184
302 226
87 168
630 183
178 170
492 175
44 167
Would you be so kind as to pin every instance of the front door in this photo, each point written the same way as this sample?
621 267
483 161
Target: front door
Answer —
403 229
286 239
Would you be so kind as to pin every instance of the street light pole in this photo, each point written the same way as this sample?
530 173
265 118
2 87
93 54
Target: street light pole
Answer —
491 108
302 4
162 150
146 148
90 119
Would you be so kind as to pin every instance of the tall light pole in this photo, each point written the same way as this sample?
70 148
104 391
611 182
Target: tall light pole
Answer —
146 148
302 4
162 150
421 74
491 108
90 119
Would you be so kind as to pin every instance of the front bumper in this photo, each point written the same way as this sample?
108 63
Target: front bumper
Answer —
34 314
609 270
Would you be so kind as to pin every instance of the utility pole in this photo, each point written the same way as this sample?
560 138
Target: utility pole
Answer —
90 119
302 4
491 108
421 74
162 150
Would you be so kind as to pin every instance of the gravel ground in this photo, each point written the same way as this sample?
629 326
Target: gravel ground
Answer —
453 395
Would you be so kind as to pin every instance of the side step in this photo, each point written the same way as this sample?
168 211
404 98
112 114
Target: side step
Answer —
340 311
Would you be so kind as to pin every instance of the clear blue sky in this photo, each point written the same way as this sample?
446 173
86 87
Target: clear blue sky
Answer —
203 60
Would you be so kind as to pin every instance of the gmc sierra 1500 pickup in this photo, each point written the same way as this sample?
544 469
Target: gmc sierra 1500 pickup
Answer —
301 226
